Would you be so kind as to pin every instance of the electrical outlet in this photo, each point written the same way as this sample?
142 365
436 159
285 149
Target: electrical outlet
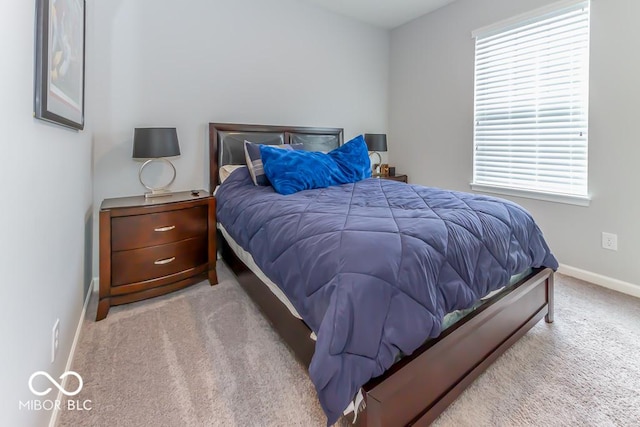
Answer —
610 241
55 340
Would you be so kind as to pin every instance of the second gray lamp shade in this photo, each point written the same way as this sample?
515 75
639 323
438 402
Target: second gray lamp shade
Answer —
156 144
376 141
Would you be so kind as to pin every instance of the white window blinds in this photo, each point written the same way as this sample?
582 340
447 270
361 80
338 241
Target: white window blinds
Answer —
531 103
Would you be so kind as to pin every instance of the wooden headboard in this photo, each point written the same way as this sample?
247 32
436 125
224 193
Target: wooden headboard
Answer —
226 142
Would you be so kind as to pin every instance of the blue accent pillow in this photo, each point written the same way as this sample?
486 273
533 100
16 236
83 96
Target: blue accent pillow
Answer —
293 171
254 160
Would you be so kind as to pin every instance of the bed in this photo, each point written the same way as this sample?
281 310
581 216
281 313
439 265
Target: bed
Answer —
419 385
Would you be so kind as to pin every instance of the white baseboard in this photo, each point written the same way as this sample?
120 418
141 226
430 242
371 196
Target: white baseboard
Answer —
600 280
96 284
54 414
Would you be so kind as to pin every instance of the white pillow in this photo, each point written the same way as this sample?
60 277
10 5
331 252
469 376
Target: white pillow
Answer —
226 170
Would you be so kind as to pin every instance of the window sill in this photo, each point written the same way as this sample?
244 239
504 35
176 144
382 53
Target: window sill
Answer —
530 194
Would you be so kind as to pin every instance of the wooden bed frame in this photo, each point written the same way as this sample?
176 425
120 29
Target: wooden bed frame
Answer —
418 388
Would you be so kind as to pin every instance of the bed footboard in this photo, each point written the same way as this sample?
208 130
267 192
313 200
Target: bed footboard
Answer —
420 387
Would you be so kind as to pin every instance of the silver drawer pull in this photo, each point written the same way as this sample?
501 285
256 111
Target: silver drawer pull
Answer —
167 228
164 261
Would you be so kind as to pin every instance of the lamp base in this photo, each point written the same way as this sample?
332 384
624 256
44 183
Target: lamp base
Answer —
158 193
375 167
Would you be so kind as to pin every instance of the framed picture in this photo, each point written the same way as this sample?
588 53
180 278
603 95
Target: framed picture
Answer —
59 62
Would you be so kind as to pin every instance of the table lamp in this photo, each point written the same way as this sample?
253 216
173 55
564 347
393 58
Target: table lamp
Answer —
376 142
156 144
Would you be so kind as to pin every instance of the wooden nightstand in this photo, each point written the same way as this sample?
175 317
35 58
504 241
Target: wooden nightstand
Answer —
402 178
149 247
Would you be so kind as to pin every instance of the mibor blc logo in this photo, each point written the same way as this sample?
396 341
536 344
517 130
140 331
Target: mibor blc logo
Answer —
47 405
58 385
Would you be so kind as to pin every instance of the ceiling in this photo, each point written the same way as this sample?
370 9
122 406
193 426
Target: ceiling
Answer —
382 13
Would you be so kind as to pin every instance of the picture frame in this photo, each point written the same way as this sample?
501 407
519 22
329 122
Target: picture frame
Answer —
60 62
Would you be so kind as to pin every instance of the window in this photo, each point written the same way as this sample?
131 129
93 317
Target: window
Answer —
531 105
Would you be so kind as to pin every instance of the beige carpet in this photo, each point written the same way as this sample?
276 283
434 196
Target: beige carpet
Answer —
204 356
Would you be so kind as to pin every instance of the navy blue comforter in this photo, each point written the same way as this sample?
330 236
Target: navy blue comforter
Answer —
373 267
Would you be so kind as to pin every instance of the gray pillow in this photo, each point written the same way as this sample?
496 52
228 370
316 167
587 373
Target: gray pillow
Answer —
254 160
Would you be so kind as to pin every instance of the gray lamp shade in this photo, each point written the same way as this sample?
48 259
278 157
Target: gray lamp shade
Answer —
154 143
376 141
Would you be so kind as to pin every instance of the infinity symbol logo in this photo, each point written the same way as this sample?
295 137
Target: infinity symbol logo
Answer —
58 386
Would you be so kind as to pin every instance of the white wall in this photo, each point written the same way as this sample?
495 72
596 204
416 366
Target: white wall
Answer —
46 187
431 123
244 61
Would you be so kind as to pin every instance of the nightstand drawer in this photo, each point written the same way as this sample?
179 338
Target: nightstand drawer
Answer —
140 231
148 263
